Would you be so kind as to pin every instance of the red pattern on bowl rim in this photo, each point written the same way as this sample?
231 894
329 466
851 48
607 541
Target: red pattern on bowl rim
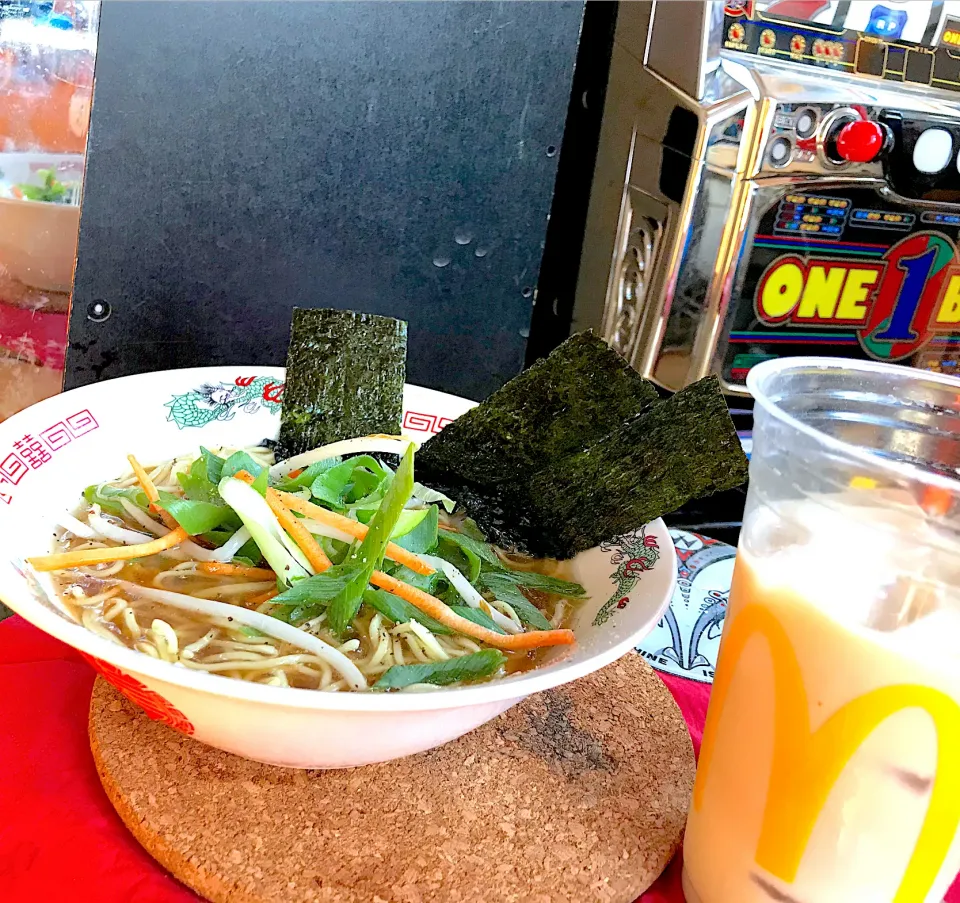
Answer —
158 708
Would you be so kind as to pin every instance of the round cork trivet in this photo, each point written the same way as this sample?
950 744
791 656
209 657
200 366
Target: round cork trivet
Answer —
578 794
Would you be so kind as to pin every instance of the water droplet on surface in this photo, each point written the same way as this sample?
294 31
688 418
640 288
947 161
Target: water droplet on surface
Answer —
480 252
525 333
551 150
463 237
526 291
441 260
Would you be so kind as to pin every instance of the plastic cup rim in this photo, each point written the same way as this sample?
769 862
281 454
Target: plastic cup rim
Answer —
901 469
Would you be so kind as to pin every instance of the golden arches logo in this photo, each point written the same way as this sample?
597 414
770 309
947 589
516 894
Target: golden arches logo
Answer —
807 763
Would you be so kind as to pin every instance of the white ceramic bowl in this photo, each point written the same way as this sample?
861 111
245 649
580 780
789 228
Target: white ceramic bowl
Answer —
51 451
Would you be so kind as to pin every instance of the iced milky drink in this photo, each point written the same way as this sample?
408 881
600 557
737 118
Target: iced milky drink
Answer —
830 766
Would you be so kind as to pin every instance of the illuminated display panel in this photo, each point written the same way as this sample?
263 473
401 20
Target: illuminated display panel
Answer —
909 41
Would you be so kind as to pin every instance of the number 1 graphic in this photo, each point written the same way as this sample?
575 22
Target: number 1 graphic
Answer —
917 271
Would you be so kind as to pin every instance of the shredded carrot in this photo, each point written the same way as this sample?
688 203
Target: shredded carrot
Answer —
222 569
146 484
298 533
441 612
256 601
295 473
354 529
101 556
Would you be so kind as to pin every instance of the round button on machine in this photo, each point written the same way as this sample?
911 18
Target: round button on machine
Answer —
933 150
780 151
806 122
861 141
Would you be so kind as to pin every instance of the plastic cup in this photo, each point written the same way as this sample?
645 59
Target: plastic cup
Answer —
830 765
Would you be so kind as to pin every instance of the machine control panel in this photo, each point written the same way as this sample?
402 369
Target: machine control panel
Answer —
918 155
828 138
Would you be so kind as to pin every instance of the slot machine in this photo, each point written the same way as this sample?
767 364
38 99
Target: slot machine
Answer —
777 178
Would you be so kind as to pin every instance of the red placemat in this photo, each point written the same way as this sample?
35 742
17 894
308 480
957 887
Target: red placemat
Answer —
59 836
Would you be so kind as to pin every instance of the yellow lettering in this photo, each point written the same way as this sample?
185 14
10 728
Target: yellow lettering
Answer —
856 290
781 291
949 310
807 763
820 296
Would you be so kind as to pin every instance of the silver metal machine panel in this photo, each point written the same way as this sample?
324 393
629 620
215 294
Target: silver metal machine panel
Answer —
764 184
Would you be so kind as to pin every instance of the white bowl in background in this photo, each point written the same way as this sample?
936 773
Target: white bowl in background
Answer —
52 450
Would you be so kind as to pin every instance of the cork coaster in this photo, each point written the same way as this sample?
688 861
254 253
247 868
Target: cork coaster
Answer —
577 794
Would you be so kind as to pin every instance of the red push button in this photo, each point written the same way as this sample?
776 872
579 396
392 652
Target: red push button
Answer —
860 141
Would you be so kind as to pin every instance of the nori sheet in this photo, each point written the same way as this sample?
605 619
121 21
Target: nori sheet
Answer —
345 375
560 405
676 450
681 449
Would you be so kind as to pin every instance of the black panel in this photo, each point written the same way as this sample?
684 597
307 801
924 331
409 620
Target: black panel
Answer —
553 313
389 157
898 166
678 144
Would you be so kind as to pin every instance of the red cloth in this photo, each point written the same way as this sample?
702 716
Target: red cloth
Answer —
59 836
34 334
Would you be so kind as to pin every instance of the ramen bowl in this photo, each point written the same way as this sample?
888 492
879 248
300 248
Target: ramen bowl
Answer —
50 452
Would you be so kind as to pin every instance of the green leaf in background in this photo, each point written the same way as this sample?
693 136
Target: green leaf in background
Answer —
304 479
366 557
316 590
195 517
433 583
468 527
350 481
336 550
400 611
481 550
210 465
461 556
423 536
365 484
52 191
201 483
541 583
241 461
466 668
507 591
108 498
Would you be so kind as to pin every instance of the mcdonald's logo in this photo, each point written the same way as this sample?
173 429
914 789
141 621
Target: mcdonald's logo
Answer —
807 762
